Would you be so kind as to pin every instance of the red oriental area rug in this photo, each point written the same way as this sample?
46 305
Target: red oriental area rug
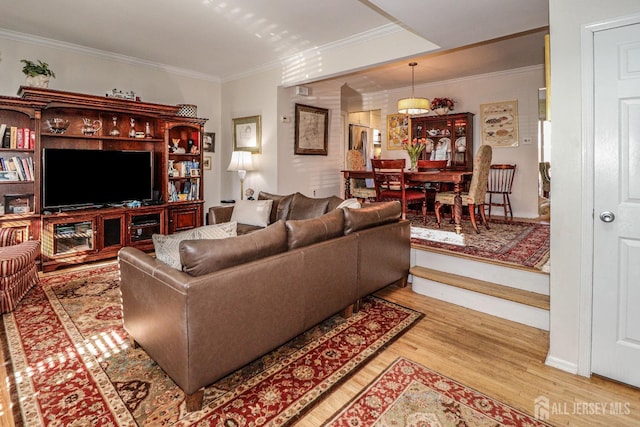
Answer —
72 365
524 244
407 394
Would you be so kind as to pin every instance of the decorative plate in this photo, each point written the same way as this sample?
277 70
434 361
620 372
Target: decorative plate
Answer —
461 144
446 142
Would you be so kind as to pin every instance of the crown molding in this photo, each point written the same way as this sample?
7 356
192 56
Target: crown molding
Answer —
56 44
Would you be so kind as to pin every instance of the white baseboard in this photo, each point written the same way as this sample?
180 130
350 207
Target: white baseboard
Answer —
561 364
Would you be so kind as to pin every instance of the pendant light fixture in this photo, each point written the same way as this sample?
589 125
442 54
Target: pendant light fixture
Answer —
413 105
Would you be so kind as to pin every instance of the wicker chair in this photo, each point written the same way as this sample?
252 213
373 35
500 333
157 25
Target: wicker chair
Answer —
18 268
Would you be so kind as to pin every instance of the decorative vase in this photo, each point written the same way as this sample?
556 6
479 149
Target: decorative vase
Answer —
37 81
441 111
414 163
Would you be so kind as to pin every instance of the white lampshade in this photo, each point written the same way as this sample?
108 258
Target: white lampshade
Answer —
241 161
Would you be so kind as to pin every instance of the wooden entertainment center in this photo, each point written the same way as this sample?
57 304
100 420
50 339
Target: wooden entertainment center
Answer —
46 119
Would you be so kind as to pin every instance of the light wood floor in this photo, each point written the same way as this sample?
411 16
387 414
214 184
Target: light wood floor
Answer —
502 359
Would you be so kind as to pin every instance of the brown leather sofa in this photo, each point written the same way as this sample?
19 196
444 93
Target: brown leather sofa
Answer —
291 206
241 297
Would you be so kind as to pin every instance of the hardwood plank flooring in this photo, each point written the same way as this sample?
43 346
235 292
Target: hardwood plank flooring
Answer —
502 359
497 357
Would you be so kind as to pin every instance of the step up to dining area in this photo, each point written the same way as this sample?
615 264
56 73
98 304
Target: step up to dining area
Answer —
506 291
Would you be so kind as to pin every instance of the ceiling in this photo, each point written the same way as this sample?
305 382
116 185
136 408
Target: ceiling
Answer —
223 39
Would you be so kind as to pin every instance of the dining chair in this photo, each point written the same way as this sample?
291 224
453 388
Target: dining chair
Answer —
390 184
431 188
475 197
499 184
359 188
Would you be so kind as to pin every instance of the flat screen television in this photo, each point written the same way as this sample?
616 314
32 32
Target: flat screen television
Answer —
107 177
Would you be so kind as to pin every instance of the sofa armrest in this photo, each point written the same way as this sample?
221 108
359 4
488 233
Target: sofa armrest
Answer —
219 214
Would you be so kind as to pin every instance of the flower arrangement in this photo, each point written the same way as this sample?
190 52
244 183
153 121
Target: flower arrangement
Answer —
413 149
442 103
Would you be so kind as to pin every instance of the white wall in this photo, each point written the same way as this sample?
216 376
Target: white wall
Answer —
520 84
90 72
566 19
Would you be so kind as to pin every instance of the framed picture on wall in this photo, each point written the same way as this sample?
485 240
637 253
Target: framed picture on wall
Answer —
247 134
499 123
209 142
206 162
312 130
398 128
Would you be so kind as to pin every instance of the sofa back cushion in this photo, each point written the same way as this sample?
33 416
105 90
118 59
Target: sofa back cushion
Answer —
303 207
304 232
167 247
371 215
206 256
280 206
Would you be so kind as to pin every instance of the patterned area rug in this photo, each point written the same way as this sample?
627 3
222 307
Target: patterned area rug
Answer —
524 244
72 364
407 394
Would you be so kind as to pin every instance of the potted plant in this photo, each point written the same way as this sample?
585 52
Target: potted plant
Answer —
38 74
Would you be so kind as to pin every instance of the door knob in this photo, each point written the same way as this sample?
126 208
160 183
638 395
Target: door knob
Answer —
607 216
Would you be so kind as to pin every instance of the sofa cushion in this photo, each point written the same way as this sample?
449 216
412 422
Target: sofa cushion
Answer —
303 207
280 207
206 256
334 202
252 212
167 246
349 203
371 215
304 232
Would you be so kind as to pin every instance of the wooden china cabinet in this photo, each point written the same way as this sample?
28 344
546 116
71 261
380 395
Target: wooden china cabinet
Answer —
449 137
58 121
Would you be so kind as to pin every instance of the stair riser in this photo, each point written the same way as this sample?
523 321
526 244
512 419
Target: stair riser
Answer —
505 309
513 277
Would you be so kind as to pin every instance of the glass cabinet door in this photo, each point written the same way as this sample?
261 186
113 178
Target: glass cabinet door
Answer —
72 237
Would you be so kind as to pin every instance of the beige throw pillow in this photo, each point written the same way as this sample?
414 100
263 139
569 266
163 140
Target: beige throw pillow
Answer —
252 212
167 247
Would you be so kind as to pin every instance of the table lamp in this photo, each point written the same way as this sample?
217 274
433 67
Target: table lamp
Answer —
242 162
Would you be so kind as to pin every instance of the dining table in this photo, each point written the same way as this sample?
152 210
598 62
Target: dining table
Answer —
455 177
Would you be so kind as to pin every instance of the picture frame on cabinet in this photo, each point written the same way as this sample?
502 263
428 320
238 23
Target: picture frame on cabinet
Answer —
311 130
206 162
398 128
247 134
209 142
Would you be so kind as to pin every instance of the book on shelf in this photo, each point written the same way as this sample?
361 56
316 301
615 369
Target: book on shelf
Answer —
19 168
3 129
13 142
6 138
25 167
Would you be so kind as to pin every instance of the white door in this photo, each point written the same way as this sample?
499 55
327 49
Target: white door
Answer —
616 272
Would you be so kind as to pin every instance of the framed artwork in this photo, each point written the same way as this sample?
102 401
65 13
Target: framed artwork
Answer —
206 162
312 130
398 129
247 134
209 142
499 123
